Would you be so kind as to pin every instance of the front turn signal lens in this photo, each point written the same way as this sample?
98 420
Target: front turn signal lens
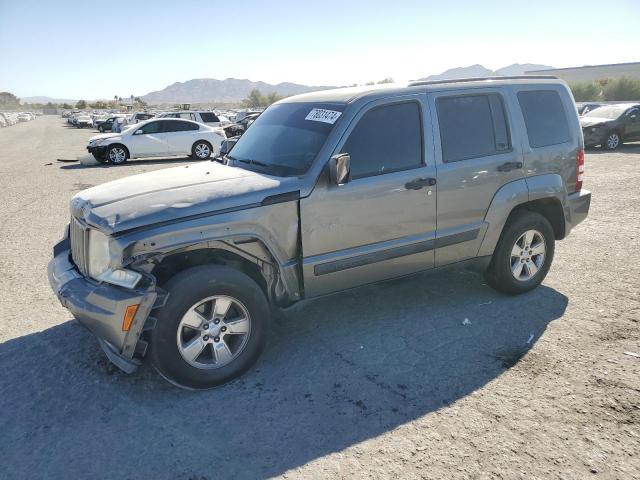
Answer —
129 315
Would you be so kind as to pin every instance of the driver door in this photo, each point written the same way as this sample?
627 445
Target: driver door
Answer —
381 223
632 124
149 140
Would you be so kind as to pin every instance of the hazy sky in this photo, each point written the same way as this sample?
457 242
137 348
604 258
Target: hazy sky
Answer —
67 49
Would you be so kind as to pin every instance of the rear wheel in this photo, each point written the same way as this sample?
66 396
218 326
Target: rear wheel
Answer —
523 255
117 154
212 328
201 150
612 141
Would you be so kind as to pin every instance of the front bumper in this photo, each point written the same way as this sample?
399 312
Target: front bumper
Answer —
579 203
101 307
592 138
97 151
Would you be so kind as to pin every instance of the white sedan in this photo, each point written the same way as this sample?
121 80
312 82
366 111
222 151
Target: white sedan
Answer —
158 137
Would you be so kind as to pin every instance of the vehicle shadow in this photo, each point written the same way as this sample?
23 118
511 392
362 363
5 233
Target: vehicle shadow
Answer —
340 370
131 163
626 148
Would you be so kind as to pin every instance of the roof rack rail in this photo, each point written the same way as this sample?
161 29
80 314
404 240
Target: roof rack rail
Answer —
416 83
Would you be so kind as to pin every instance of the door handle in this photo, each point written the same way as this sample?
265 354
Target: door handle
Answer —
508 166
419 183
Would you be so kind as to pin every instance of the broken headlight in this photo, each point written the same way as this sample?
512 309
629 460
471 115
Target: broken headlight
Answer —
99 260
99 257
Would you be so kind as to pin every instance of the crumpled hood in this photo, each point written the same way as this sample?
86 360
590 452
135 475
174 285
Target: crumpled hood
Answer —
174 193
591 121
103 136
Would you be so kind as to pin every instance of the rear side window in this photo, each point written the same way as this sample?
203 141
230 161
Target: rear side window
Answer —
386 139
186 116
209 117
544 117
472 126
177 126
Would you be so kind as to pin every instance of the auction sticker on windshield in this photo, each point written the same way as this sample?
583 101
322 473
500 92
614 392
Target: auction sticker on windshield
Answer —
322 115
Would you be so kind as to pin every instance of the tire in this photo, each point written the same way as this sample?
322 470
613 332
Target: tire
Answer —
612 141
201 150
510 274
101 130
117 154
99 158
170 340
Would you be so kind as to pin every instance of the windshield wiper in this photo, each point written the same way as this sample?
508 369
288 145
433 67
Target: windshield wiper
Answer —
252 162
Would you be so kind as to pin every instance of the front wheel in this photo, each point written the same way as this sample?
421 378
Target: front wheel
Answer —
211 329
117 154
523 255
612 142
201 150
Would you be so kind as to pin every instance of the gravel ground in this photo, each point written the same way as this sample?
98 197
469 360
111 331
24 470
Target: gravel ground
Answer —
385 381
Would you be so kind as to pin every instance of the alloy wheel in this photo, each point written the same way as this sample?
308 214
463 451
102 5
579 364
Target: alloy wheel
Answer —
613 141
117 155
202 150
528 255
213 332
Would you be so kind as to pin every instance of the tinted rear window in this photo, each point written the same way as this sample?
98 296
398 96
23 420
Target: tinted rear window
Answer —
544 117
177 126
209 117
472 126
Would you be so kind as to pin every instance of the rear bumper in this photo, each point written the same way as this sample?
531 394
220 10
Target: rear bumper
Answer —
579 203
100 307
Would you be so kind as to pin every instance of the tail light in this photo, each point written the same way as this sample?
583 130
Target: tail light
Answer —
579 169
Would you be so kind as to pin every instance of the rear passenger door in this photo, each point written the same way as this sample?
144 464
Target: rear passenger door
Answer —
476 157
179 136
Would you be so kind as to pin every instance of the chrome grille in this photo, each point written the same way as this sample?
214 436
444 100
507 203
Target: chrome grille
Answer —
79 235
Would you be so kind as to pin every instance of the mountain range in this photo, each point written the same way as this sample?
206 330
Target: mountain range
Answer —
207 90
41 99
480 71
211 90
203 90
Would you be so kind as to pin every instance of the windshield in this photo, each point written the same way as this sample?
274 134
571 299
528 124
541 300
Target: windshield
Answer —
607 111
285 139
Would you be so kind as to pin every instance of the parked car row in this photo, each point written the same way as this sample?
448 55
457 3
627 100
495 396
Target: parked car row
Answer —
7 119
157 137
200 134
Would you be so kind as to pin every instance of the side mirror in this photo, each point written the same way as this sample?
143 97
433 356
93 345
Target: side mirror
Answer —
340 169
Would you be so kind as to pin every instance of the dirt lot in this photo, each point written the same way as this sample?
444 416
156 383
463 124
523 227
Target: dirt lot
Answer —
385 381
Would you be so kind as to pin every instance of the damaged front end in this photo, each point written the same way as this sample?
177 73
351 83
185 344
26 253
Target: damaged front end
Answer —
115 315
